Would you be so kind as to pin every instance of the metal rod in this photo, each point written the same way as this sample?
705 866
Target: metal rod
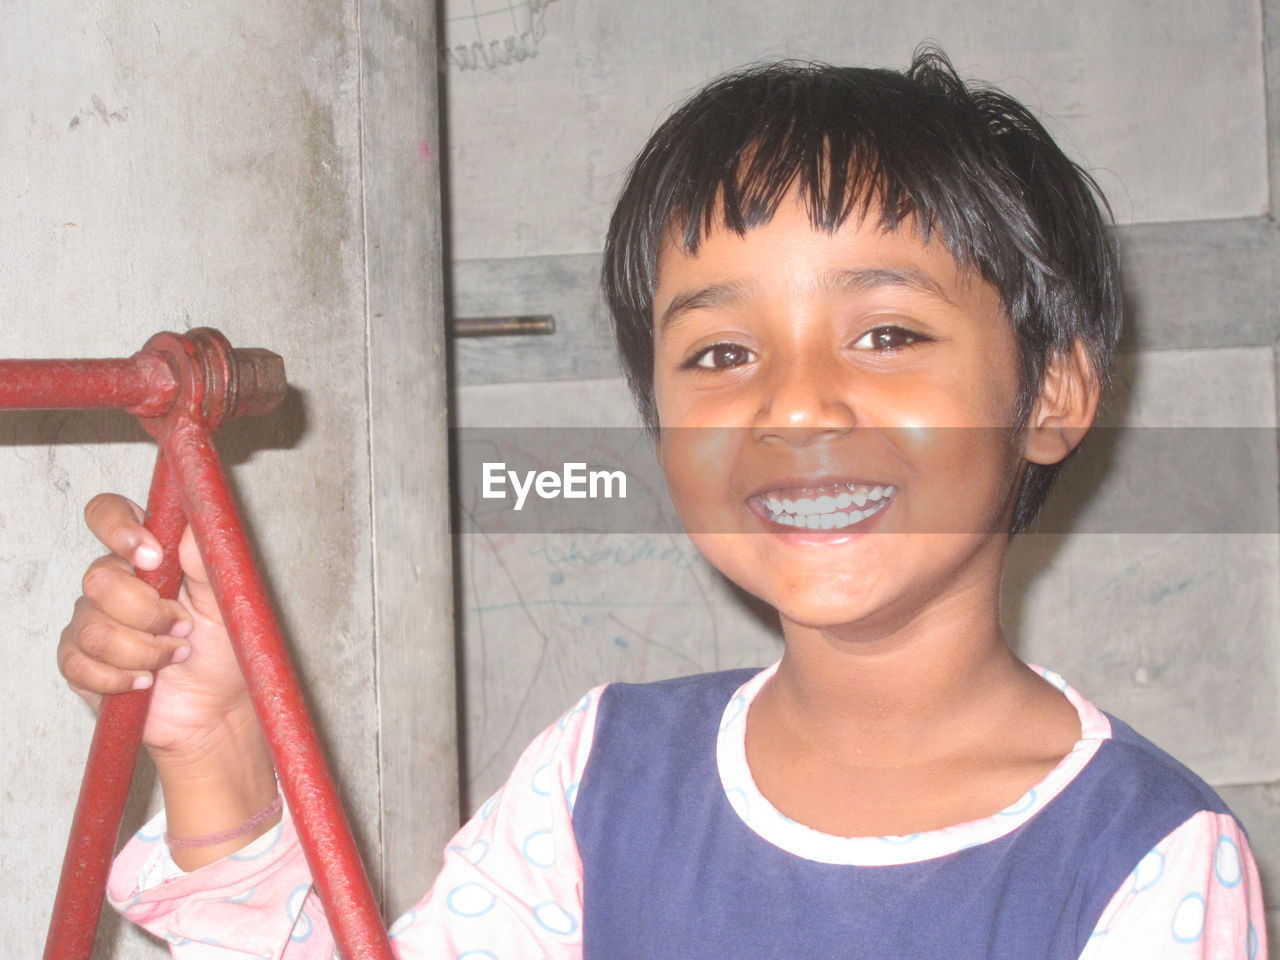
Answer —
141 382
277 696
112 756
503 326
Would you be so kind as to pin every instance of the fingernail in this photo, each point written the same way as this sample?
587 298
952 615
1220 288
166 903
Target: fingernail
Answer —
142 682
146 557
180 654
181 629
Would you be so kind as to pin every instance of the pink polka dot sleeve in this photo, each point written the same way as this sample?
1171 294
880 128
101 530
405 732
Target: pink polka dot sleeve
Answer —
510 886
1195 896
255 903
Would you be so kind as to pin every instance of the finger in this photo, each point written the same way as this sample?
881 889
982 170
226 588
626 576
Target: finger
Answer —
113 589
106 641
189 556
117 522
85 673
198 592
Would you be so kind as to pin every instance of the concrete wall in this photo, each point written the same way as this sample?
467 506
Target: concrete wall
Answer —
1172 105
269 170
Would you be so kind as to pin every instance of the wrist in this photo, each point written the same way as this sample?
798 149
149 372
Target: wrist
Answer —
206 821
213 787
191 851
255 826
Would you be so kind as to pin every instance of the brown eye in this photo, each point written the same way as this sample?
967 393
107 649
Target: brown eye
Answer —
887 339
721 356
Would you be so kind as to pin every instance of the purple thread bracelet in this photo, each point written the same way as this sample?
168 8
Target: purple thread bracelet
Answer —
257 820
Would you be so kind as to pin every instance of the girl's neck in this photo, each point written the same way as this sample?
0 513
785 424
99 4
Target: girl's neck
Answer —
925 687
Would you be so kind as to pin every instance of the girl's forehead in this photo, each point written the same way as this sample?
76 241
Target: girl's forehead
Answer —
787 251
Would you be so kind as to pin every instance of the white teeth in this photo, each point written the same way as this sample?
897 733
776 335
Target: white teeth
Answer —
875 493
789 505
859 498
809 515
843 501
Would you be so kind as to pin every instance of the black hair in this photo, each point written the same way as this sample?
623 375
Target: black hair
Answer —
964 161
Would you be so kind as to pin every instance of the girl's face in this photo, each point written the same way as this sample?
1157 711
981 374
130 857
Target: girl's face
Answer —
858 382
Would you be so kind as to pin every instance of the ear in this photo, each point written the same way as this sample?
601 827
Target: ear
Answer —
1065 408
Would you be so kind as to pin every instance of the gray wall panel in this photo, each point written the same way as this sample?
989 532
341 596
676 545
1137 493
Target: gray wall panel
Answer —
166 166
1204 283
1163 100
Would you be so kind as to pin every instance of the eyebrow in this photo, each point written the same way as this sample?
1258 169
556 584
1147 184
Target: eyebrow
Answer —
836 281
870 277
702 298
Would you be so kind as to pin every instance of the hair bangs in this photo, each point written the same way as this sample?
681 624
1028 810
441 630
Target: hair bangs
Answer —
735 174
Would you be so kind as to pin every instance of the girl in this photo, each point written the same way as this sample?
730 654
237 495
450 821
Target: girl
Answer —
866 315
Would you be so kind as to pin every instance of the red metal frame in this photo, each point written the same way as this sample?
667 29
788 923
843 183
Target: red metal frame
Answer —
182 387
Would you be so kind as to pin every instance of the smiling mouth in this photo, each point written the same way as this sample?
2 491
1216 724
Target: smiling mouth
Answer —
834 506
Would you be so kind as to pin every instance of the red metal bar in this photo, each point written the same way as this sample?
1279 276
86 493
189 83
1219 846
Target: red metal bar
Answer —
277 696
182 387
112 757
143 383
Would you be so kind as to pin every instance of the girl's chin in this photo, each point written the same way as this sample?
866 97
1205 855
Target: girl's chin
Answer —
825 613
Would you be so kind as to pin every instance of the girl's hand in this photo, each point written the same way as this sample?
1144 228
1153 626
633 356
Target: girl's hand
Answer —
123 636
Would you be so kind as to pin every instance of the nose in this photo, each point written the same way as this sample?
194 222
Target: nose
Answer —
804 401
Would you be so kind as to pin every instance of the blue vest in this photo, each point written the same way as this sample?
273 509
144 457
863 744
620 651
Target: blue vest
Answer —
671 872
